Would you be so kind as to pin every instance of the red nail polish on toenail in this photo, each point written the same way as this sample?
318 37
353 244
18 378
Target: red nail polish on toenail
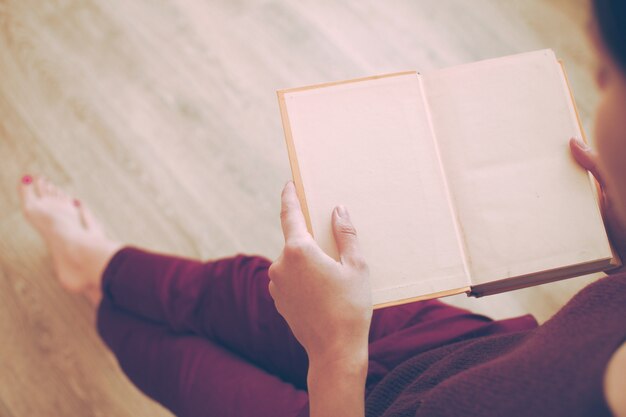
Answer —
77 203
27 179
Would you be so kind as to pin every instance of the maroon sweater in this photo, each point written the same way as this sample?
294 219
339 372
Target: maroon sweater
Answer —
553 370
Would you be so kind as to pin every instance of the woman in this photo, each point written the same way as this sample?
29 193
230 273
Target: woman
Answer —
243 336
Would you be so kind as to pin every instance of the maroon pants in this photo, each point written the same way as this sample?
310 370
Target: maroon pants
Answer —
205 339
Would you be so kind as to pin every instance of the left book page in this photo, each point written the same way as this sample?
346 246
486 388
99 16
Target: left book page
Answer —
367 144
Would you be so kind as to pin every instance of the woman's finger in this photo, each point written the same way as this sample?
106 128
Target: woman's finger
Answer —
291 216
345 236
586 158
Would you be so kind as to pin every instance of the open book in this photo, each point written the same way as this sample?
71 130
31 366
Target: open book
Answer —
457 180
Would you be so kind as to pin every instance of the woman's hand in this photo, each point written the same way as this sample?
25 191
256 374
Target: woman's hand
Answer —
326 303
588 159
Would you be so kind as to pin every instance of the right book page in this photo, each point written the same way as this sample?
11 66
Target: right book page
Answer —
523 204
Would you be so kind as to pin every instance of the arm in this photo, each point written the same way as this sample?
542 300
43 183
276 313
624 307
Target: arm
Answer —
328 307
614 380
337 388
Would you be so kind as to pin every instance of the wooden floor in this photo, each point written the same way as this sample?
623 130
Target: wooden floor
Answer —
162 115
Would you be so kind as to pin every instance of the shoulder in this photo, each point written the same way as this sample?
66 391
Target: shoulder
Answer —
615 382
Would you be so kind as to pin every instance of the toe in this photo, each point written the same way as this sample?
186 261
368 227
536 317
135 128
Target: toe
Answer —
39 184
60 193
44 187
87 217
49 188
27 179
53 190
27 191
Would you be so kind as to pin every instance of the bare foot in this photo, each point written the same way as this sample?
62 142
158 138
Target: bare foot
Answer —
80 249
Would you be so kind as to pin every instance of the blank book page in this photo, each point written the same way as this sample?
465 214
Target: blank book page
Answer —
367 144
503 127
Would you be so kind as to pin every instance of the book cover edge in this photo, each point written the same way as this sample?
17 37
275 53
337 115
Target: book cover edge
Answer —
482 292
616 261
293 160
439 294
346 81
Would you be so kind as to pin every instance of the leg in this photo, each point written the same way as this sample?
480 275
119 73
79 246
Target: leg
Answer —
240 314
226 299
192 376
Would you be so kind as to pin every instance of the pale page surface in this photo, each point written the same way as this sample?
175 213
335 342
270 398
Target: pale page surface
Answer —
503 127
367 145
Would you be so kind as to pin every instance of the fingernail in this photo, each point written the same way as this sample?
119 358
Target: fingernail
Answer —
76 203
582 145
342 212
27 179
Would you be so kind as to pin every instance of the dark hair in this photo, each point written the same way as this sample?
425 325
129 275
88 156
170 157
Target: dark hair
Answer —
610 17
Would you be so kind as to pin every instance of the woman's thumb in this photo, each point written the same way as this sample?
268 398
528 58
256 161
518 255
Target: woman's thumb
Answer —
586 158
345 235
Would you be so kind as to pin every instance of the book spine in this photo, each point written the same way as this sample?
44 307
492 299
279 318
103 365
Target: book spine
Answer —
457 226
